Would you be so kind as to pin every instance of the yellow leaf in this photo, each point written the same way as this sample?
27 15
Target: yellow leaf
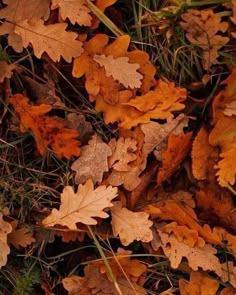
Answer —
130 225
81 206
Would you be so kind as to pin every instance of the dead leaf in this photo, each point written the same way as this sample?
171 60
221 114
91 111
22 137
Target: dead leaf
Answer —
120 69
93 161
199 284
5 70
81 206
229 273
130 225
52 39
20 237
5 229
197 257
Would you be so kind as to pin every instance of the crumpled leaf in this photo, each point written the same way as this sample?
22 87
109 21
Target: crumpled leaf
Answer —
130 225
197 257
81 206
5 70
156 134
123 152
19 236
199 284
75 10
202 27
178 147
93 161
53 39
48 131
5 229
120 69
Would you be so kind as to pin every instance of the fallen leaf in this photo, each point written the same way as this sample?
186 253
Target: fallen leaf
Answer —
20 236
5 229
81 206
229 273
5 70
199 284
93 161
130 225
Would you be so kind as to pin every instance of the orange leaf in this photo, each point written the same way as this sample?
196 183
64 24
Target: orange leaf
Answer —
47 131
19 237
178 147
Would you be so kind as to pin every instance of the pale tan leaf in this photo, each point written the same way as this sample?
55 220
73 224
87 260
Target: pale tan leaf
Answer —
19 237
130 179
130 226
120 69
197 257
156 134
123 152
75 10
81 206
229 273
230 109
53 39
5 70
93 161
5 229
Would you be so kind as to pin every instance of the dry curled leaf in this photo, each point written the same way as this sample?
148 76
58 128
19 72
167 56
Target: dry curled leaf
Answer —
48 131
130 225
20 237
5 229
5 70
93 161
202 28
81 206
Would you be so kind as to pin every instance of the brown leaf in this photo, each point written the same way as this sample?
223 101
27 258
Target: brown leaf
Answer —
130 225
81 206
93 161
5 229
20 237
5 70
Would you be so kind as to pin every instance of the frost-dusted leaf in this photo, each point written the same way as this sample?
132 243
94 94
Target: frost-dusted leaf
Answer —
178 147
129 179
19 237
48 131
5 70
75 10
130 226
53 39
230 109
93 161
120 69
202 27
156 134
123 152
81 206
199 283
227 167
5 229
197 257
229 273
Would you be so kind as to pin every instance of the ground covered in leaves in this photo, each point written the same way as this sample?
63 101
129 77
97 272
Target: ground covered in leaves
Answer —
118 147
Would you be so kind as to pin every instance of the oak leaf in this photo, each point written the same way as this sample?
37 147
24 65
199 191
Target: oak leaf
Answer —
76 11
81 206
19 236
197 257
120 69
202 28
52 39
130 225
230 109
93 161
178 147
229 273
5 229
199 284
48 131
156 134
5 70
